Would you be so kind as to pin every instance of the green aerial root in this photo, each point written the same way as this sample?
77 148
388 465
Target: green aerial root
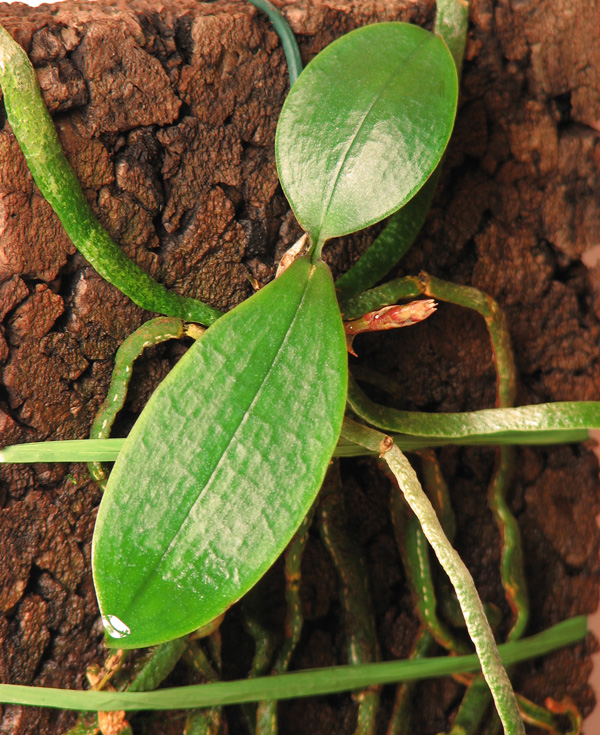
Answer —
266 714
35 133
34 130
354 594
286 36
477 625
151 333
414 552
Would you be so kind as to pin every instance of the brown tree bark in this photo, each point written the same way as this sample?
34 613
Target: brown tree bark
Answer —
167 112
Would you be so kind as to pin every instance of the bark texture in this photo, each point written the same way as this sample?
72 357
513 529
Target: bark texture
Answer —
167 112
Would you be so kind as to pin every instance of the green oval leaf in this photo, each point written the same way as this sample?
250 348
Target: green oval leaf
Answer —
223 463
364 127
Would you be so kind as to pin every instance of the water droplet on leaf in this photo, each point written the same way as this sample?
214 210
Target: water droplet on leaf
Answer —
114 627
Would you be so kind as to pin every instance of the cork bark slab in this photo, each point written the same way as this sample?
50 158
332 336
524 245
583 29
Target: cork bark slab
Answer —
167 113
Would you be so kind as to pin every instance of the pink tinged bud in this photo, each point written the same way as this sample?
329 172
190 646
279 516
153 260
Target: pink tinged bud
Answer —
390 317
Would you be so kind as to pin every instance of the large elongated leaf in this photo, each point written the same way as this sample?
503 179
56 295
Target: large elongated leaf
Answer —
364 127
223 463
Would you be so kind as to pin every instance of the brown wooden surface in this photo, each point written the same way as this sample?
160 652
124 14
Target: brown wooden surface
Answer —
167 112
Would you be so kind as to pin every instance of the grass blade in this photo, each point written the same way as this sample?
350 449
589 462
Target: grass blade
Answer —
70 450
309 683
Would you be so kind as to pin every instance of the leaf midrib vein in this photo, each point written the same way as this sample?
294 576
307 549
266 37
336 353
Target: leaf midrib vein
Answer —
234 434
359 127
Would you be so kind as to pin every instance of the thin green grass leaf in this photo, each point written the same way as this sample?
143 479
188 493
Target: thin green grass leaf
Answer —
107 450
70 450
311 683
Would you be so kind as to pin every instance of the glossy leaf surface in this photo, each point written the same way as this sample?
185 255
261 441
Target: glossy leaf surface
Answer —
223 463
389 246
364 127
